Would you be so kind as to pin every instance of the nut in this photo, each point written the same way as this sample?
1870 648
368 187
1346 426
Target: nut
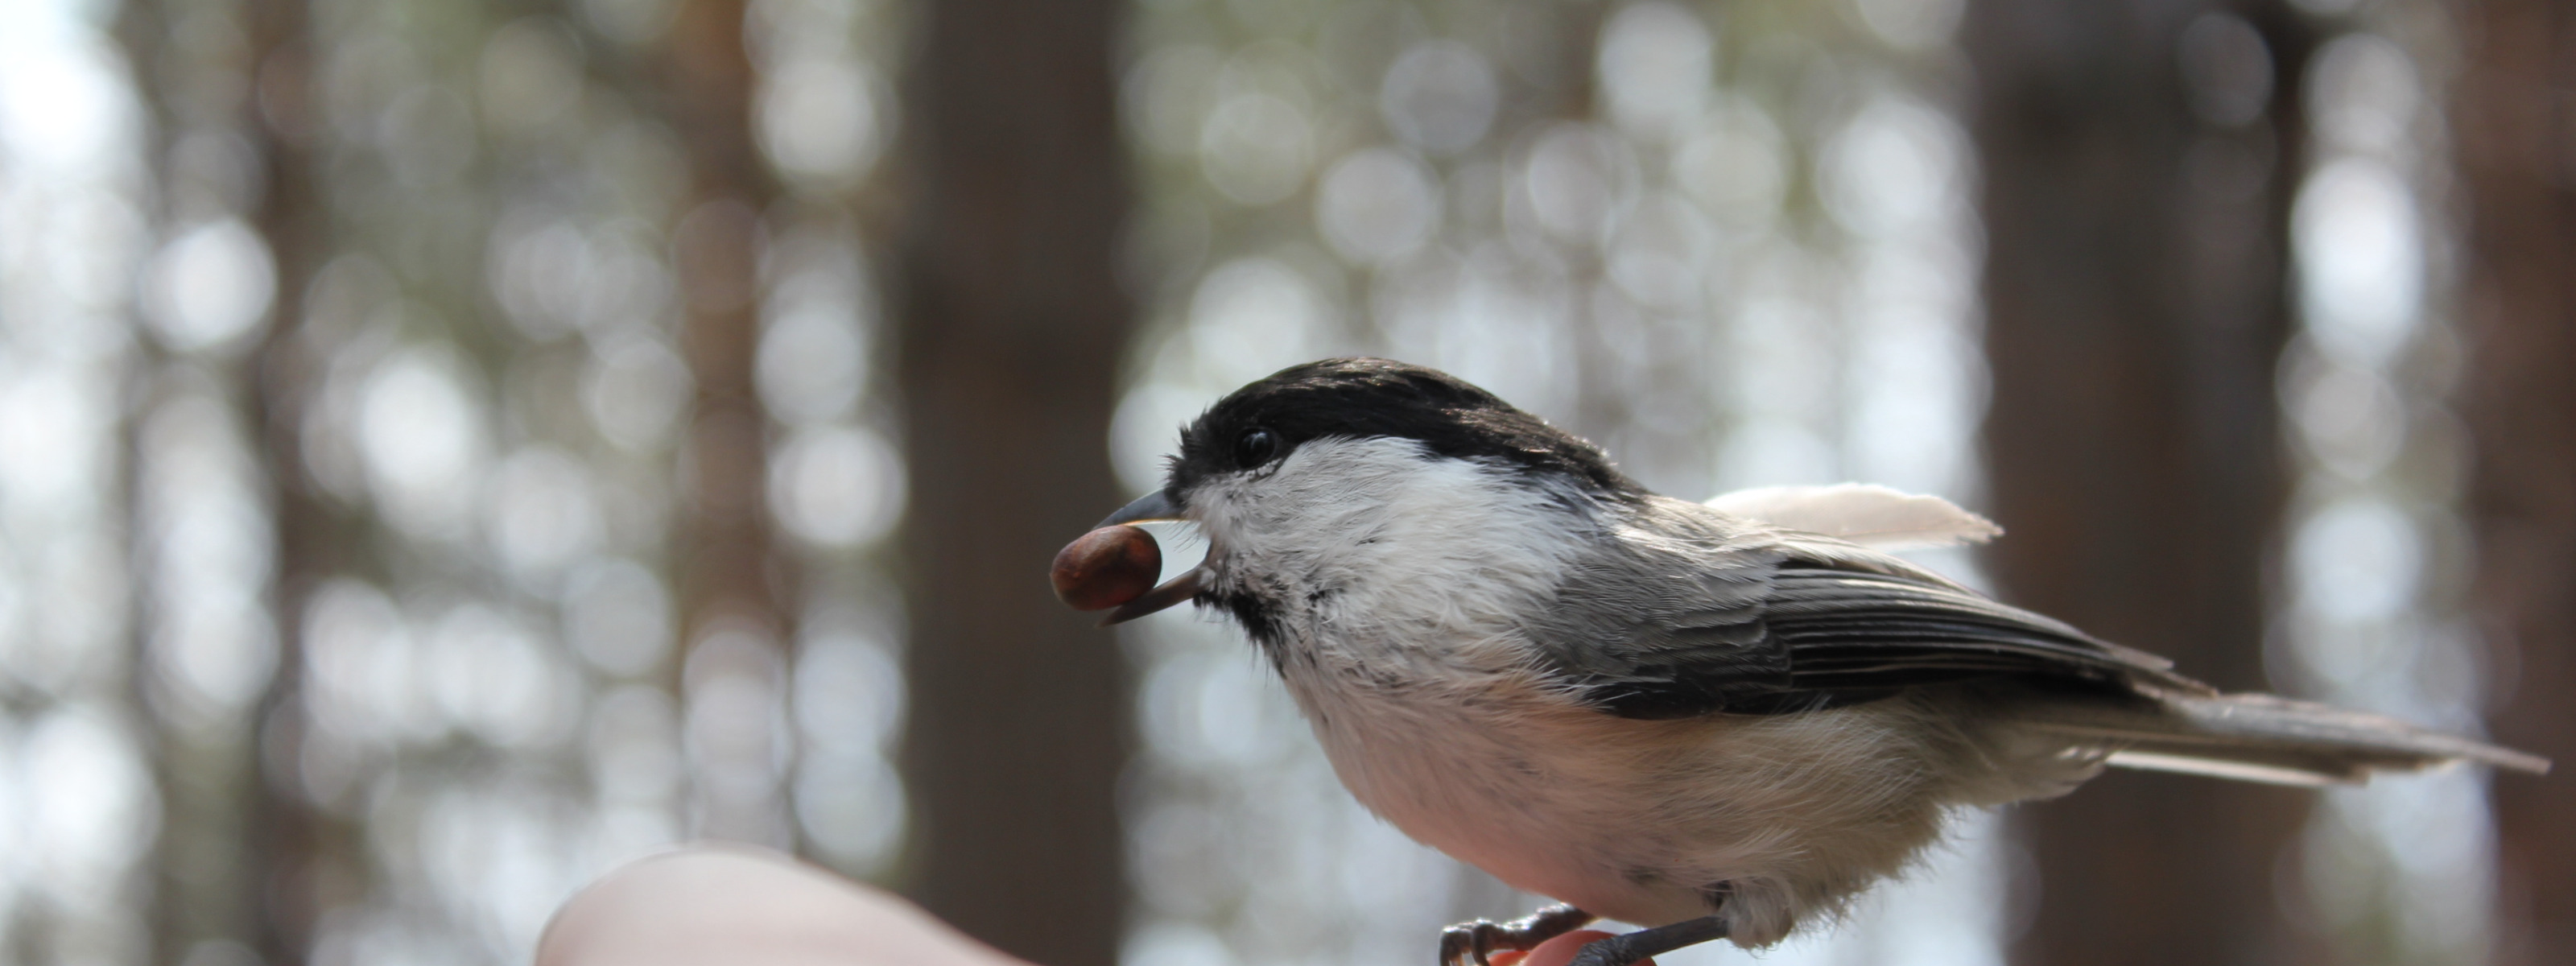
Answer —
1107 567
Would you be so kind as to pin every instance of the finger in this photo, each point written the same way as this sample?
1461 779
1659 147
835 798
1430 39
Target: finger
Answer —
743 906
1560 950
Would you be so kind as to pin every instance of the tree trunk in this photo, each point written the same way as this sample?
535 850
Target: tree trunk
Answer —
729 573
2136 307
1012 333
2516 130
299 850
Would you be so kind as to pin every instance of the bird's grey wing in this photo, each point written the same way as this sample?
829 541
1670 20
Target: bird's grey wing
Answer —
1691 612
1688 611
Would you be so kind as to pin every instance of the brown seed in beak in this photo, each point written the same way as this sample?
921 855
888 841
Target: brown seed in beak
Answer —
1107 567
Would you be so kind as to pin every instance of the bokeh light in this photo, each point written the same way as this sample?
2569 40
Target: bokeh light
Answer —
2372 617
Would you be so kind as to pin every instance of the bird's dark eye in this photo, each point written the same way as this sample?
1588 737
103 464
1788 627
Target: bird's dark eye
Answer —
1255 447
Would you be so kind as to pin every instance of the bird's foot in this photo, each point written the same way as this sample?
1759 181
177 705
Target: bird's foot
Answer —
1624 950
1468 943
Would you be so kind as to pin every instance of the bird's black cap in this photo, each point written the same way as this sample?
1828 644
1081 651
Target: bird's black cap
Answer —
1364 398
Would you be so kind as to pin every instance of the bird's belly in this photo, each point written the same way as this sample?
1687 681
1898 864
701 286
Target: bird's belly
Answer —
1640 820
1527 810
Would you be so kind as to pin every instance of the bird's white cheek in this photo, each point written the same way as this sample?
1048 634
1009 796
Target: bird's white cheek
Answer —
1219 509
1375 539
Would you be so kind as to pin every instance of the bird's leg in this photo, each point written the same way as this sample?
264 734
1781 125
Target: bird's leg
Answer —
1470 942
1626 949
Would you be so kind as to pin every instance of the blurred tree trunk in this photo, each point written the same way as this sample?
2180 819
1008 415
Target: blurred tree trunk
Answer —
2136 306
301 853
729 574
216 813
2516 128
1012 331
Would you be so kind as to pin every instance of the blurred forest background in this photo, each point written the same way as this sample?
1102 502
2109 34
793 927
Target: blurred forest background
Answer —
450 448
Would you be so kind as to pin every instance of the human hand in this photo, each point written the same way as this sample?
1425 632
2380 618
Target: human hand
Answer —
738 905
741 905
1555 952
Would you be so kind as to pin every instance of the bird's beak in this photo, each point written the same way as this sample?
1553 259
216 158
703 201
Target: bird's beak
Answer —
1171 594
1150 507
1147 508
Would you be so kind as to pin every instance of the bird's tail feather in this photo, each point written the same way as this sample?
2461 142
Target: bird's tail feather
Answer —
2259 737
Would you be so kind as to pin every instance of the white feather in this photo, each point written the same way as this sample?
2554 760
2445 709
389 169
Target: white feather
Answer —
1434 556
1864 513
2215 768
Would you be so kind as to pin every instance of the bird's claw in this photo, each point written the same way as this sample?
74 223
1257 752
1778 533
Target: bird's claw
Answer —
1471 943
1468 943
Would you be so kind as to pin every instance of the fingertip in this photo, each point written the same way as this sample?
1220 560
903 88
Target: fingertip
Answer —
742 905
1560 950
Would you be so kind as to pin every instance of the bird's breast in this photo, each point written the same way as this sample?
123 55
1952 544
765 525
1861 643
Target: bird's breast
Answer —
1632 819
1494 770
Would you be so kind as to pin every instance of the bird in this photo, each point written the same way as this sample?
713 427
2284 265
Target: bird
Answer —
1714 720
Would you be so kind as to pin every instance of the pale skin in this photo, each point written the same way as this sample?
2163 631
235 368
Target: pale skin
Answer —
747 906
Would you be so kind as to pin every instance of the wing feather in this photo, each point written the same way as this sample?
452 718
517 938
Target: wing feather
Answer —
1699 612
1863 513
1696 611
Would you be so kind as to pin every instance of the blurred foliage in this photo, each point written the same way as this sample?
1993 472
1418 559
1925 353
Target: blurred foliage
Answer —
417 396
356 366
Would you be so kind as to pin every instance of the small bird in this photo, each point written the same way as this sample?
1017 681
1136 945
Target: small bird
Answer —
1714 720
